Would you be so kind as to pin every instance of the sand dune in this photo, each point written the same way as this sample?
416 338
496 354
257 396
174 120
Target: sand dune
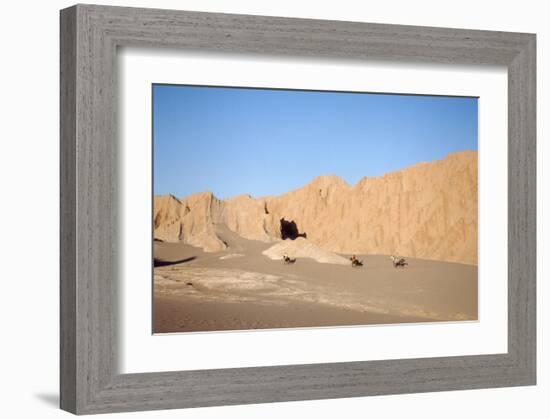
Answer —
427 211
303 248
196 290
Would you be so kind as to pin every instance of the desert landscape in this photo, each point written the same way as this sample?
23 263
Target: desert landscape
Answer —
286 261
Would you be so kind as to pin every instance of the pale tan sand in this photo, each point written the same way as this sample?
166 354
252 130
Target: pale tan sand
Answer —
174 314
206 292
303 248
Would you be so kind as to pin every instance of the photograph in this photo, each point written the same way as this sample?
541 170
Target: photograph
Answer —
279 208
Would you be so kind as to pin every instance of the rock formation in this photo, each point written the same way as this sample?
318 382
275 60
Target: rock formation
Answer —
428 210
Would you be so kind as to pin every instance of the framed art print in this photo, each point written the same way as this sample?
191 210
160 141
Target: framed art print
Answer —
254 226
347 209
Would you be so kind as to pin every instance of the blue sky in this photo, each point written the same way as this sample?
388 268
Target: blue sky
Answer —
266 142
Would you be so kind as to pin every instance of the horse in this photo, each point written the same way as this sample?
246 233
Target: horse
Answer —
398 262
355 263
288 260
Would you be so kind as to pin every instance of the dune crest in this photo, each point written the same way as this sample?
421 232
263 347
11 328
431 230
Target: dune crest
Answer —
302 248
428 211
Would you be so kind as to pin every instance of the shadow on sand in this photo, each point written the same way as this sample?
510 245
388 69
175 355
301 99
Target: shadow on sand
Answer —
158 262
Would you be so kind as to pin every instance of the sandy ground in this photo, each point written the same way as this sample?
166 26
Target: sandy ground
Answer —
241 289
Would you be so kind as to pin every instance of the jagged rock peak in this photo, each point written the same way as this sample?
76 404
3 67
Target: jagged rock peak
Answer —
326 181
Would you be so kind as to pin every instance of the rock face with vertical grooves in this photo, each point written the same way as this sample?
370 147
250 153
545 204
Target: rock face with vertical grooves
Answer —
428 211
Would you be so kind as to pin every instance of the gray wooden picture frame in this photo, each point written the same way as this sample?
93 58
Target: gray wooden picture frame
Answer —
90 36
